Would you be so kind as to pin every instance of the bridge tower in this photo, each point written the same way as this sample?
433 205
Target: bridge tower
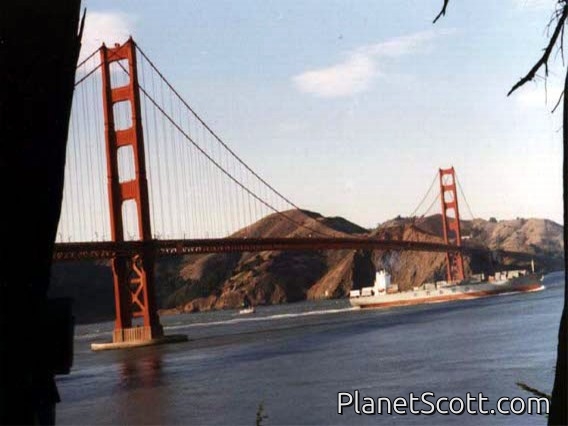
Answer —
451 224
133 273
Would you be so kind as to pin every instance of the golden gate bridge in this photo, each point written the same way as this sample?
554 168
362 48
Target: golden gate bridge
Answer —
147 177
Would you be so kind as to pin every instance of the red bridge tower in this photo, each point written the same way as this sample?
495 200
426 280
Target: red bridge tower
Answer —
133 274
451 224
